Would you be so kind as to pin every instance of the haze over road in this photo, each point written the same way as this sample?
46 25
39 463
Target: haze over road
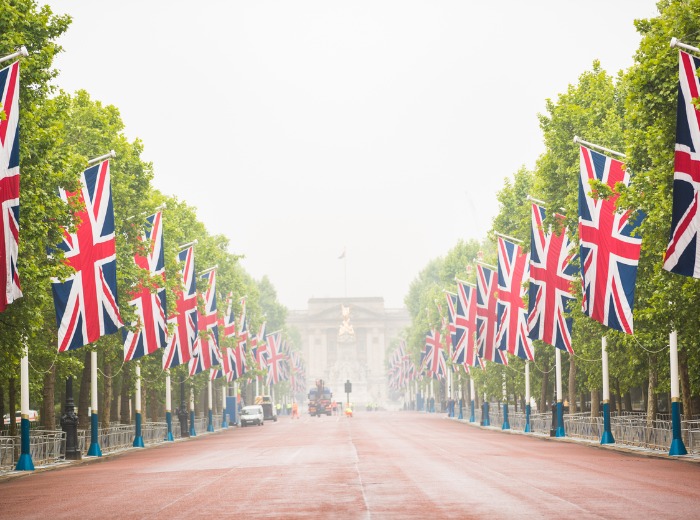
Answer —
375 465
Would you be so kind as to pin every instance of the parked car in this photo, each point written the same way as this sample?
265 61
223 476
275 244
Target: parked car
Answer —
33 417
252 414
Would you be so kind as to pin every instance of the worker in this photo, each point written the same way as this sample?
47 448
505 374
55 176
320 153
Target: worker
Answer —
348 412
295 410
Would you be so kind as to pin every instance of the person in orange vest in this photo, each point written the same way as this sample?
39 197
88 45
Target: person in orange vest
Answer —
348 411
295 410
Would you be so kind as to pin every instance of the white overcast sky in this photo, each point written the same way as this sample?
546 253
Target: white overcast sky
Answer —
300 128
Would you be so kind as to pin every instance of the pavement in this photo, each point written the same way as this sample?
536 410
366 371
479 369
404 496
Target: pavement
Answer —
378 465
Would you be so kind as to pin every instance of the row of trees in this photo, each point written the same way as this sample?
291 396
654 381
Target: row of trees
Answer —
634 112
59 132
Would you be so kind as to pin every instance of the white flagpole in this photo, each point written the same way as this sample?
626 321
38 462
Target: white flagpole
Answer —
607 437
527 396
138 438
94 450
168 406
677 446
109 155
25 459
676 43
21 52
560 432
210 401
578 140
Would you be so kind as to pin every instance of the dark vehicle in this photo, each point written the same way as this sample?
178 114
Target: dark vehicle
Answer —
320 400
269 412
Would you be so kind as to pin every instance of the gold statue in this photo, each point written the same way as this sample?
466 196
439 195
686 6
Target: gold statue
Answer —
345 329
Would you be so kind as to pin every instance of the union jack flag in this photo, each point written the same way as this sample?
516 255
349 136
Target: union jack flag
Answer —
275 358
150 329
683 251
86 303
206 350
487 316
466 352
258 348
181 342
435 355
609 252
228 322
9 184
451 316
512 315
551 276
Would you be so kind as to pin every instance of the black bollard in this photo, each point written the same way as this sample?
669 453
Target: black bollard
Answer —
182 412
69 424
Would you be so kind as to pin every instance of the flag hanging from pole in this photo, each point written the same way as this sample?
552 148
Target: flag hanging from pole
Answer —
487 316
275 358
206 349
683 251
465 323
9 184
512 316
551 276
150 330
86 302
609 246
181 341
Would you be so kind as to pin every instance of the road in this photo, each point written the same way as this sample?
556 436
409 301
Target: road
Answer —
377 465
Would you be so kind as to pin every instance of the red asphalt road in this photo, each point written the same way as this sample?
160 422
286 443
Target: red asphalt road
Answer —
376 465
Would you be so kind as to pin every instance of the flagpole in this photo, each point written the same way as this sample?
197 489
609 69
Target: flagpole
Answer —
188 244
193 431
560 432
607 437
109 155
168 406
461 401
578 140
472 397
527 396
677 446
94 450
506 424
25 459
224 388
210 413
674 43
138 439
22 51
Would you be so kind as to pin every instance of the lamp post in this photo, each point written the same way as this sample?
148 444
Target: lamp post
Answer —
69 424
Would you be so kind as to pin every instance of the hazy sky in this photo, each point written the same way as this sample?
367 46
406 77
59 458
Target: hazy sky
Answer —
300 128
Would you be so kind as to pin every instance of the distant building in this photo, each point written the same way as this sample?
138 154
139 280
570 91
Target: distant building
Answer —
348 339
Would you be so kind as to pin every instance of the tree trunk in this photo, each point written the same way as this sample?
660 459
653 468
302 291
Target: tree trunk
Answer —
48 404
84 396
545 384
619 396
583 401
572 384
2 404
114 407
628 401
645 396
106 405
125 412
652 406
685 384
12 403
595 403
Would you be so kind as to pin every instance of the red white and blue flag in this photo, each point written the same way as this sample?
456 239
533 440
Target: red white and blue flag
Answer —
551 276
466 352
487 316
206 350
275 358
181 341
512 315
86 303
683 251
609 246
451 316
150 330
9 185
434 359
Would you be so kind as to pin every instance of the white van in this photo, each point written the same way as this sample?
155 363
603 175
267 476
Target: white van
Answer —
252 414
